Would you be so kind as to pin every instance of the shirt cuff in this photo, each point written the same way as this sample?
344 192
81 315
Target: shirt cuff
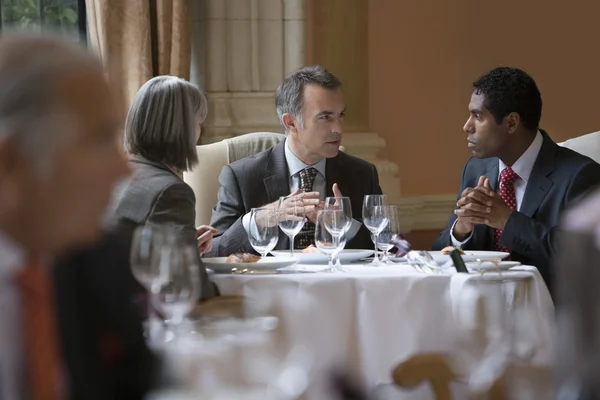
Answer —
246 222
455 241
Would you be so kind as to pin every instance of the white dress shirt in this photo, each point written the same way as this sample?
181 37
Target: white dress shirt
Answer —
12 369
295 165
522 167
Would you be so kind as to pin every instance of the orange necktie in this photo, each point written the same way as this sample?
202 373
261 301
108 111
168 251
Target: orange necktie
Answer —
39 331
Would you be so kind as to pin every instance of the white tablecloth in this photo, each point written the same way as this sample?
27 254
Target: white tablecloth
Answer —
371 318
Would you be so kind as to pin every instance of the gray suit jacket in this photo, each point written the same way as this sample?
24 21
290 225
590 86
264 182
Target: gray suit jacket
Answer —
559 177
263 178
155 194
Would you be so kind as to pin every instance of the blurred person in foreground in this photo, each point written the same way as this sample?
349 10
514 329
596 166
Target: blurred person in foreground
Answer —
518 181
161 132
307 166
578 301
68 326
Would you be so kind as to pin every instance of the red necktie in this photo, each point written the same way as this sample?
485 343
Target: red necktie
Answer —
39 331
508 177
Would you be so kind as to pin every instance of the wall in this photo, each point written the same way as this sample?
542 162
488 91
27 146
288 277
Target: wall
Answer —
423 56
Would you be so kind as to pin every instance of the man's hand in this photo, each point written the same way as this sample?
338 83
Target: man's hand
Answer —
204 234
480 205
308 201
336 191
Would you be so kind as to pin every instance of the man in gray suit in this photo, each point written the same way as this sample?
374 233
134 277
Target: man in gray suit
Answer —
519 181
307 166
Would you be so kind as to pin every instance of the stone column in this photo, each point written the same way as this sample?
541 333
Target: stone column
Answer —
337 38
248 47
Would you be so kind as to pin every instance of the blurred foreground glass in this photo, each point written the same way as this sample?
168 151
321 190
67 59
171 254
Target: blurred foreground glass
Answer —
145 251
176 289
496 337
263 232
260 356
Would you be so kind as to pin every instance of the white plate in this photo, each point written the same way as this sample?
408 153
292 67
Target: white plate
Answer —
219 265
346 256
491 266
470 256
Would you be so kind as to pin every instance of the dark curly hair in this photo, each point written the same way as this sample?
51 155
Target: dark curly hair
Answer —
509 90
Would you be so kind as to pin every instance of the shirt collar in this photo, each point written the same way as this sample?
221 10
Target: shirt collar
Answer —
12 255
524 165
295 165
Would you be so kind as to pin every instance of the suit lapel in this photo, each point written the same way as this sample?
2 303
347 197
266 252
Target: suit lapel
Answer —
539 184
277 183
332 176
492 173
484 231
277 180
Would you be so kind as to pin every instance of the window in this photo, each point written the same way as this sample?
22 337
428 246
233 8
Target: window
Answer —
64 15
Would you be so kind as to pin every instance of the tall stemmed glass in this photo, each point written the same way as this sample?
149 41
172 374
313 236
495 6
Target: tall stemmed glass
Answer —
389 233
375 217
143 259
145 249
343 204
330 236
176 289
291 217
263 232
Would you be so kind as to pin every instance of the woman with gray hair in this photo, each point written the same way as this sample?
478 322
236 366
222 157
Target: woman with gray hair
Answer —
161 132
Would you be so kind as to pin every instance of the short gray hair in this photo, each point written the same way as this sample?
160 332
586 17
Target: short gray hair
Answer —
160 122
31 67
289 95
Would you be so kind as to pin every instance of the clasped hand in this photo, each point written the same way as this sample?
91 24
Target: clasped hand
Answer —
309 202
480 205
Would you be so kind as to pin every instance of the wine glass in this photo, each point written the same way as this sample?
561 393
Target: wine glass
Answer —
291 217
340 203
389 233
147 240
177 287
263 232
375 217
330 236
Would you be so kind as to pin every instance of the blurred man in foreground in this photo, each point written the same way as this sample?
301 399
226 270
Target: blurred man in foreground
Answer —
578 302
59 160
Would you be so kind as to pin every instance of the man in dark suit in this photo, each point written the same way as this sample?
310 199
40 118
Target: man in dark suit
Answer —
100 326
519 181
307 166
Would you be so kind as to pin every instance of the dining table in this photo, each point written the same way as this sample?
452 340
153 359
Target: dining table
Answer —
369 318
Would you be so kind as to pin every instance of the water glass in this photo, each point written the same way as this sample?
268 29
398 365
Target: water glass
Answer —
263 232
375 217
330 237
176 289
389 233
145 251
343 204
291 217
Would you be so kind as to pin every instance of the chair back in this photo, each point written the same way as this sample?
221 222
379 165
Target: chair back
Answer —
204 178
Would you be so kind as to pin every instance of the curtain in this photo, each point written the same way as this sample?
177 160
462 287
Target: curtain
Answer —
140 39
